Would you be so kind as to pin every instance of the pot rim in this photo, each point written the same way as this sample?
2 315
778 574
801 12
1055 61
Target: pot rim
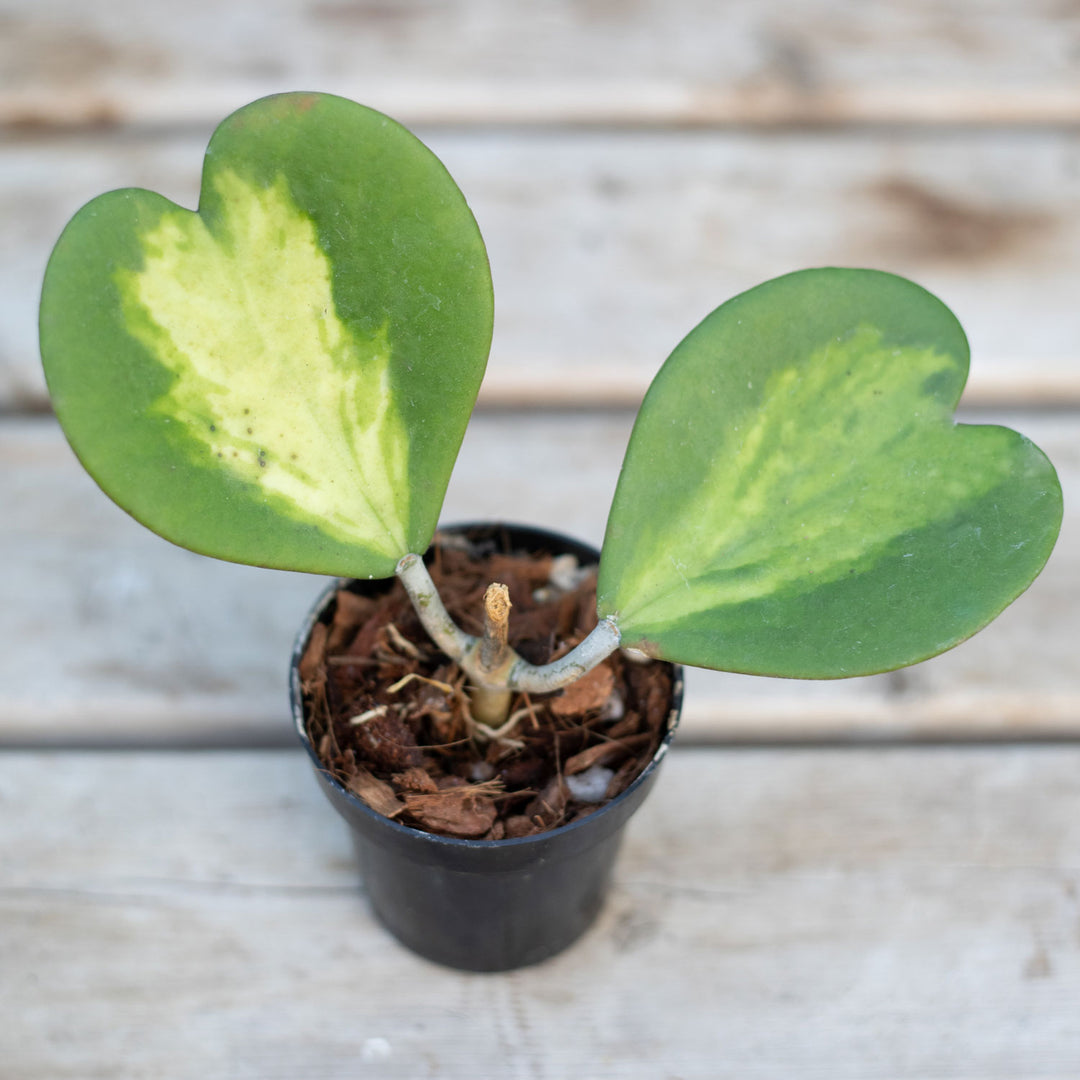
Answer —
299 720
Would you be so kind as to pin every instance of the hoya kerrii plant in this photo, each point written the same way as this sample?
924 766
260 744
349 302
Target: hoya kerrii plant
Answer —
284 376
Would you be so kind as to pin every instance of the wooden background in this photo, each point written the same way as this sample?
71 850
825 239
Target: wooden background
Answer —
881 875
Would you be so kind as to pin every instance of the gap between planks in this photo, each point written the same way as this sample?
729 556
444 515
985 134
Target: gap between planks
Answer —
607 248
478 61
114 637
634 104
551 385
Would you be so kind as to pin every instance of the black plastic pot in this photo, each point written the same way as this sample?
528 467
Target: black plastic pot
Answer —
483 905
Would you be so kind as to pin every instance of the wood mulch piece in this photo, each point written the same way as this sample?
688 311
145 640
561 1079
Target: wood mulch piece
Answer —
389 713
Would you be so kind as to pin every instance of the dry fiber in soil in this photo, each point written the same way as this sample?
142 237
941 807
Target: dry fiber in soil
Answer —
389 713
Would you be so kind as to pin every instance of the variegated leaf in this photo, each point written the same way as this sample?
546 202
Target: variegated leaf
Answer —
284 376
798 500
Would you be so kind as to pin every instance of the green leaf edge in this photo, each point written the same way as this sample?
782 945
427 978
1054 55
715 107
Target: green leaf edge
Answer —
330 555
703 656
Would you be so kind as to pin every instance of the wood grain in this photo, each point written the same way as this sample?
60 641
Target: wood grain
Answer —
568 61
885 912
112 635
860 915
608 247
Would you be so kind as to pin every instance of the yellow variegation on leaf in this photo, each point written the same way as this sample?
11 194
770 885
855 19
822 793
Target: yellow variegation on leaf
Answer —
798 500
284 376
269 380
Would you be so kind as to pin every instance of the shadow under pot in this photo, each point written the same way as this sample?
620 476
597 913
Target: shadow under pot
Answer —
484 904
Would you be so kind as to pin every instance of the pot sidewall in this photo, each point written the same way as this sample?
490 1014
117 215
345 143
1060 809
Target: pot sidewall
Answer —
483 905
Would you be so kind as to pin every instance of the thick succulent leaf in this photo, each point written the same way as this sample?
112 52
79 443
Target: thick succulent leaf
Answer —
798 500
284 376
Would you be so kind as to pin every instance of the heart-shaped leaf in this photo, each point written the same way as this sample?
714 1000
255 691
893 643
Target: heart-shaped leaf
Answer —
798 500
283 377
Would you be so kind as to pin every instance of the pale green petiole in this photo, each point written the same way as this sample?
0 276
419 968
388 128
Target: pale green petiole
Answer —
516 673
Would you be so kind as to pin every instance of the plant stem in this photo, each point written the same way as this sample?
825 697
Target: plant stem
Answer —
512 672
425 598
492 706
600 644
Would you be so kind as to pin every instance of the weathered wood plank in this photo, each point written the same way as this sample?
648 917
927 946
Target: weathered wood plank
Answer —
571 61
608 247
856 915
112 634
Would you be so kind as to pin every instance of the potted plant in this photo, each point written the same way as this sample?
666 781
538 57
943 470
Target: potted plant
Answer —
284 377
